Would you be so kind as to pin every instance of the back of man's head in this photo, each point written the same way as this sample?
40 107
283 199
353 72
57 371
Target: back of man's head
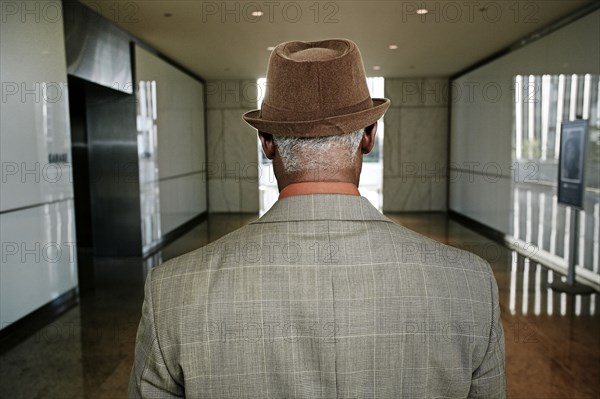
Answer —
317 117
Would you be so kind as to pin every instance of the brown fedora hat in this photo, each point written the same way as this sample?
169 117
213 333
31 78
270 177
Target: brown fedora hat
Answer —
316 89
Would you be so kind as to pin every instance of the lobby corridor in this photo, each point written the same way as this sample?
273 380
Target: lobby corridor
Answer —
133 132
552 341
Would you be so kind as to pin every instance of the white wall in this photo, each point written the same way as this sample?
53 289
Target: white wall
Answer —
480 139
173 175
36 197
232 147
415 145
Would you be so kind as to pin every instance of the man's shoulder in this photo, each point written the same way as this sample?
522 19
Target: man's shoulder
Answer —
441 270
413 247
195 264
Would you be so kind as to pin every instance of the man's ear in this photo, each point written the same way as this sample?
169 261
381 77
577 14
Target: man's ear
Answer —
368 139
268 144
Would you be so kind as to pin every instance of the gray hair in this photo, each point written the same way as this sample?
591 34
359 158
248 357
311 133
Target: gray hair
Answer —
314 153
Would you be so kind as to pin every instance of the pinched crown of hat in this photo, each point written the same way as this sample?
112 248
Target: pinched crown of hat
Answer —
316 89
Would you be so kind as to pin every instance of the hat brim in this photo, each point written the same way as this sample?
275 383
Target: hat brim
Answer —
332 126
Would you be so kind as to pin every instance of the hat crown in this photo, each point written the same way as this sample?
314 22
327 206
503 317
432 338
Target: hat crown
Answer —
325 50
316 89
315 80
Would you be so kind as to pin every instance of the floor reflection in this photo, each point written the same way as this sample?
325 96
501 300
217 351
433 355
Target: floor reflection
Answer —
532 279
552 343
539 219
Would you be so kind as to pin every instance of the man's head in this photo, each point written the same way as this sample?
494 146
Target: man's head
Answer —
327 158
317 117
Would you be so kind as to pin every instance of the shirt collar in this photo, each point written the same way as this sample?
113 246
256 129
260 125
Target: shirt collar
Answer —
305 188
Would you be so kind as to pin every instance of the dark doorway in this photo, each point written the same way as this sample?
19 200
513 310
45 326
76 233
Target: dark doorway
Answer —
81 183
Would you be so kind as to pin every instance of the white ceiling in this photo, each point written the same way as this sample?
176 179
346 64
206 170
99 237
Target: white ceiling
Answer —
215 44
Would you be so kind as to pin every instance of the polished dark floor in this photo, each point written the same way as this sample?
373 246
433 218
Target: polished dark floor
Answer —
552 340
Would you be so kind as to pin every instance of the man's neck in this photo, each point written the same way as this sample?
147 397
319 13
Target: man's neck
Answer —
338 176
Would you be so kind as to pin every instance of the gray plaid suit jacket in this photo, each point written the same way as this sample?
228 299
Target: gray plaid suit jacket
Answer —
322 297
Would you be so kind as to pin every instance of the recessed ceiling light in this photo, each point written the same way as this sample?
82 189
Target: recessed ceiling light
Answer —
376 68
257 13
167 15
422 11
393 47
270 48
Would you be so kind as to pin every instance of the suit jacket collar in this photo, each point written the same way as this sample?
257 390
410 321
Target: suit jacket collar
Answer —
322 207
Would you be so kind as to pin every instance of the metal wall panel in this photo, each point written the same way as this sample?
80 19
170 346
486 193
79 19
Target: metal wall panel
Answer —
114 172
96 49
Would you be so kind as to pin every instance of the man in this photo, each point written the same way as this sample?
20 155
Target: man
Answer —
323 296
